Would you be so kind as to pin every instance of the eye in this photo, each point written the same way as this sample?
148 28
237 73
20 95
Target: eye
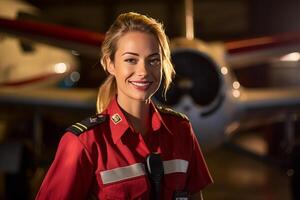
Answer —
155 62
131 60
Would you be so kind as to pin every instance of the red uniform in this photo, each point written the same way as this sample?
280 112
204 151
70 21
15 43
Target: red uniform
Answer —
103 158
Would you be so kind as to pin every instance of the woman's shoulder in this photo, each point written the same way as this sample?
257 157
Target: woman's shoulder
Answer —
176 122
169 112
87 124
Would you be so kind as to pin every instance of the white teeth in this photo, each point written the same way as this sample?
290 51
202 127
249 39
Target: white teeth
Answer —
140 84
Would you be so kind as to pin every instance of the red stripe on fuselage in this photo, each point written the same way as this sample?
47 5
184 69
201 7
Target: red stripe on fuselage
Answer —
32 80
247 45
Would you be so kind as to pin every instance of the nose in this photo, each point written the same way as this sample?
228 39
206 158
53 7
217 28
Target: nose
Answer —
142 68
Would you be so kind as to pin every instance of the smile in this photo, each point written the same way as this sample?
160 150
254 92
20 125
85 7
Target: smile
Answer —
141 85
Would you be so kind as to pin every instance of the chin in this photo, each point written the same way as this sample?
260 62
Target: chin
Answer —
142 97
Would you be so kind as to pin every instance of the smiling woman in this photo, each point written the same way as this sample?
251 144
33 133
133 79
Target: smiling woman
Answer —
136 66
106 156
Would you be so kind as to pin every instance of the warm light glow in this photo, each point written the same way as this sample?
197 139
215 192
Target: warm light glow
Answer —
75 76
60 68
236 93
236 85
224 70
291 57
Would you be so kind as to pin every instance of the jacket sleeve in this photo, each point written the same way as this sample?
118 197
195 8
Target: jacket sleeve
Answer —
71 172
198 175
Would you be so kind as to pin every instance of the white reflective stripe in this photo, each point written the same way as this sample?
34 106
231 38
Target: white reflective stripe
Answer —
177 165
122 173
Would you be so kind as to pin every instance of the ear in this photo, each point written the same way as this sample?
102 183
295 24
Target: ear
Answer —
110 66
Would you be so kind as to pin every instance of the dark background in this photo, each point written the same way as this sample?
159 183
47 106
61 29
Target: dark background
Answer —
214 19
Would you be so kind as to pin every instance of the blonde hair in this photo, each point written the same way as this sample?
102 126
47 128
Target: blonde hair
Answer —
125 23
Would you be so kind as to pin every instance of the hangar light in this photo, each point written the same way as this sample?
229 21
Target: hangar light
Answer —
60 68
291 57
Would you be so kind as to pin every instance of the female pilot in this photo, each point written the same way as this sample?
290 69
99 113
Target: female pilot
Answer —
105 156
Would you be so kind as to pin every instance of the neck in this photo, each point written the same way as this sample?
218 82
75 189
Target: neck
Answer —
137 113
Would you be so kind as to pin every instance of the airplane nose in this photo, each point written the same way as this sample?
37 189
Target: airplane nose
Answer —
202 73
197 75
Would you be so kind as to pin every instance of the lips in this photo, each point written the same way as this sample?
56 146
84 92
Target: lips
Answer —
141 85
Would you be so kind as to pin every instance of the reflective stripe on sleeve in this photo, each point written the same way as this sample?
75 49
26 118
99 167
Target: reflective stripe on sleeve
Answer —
122 173
174 166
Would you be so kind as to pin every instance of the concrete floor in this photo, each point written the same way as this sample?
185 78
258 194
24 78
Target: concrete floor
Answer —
241 177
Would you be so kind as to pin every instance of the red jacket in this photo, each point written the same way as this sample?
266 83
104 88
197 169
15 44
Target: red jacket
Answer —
103 158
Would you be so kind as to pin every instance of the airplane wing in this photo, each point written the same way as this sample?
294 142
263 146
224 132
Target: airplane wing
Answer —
82 99
257 107
271 98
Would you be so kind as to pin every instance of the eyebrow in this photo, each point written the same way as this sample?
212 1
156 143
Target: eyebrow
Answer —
131 53
136 54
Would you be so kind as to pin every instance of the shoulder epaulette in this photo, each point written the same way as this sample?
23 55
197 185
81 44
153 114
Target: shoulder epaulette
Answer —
172 112
86 124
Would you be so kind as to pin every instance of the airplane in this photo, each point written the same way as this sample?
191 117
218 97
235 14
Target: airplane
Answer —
33 64
208 92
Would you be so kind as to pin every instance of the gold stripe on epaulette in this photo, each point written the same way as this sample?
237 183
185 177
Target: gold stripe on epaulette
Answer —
81 125
86 124
77 127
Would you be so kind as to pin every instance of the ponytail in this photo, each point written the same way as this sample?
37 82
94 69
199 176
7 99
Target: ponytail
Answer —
107 92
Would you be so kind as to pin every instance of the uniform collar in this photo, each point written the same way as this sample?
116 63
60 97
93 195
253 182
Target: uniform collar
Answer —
157 120
118 122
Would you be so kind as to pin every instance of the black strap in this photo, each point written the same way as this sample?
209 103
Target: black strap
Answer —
156 171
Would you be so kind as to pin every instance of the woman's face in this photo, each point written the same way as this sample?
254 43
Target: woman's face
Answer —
137 66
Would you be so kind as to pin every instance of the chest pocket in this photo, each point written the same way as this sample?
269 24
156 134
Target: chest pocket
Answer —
175 176
128 182
135 188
